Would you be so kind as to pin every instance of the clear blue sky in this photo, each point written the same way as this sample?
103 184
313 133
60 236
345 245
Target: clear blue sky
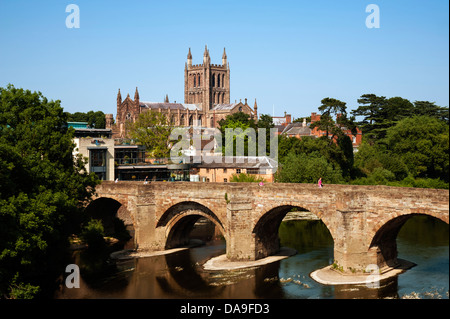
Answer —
286 54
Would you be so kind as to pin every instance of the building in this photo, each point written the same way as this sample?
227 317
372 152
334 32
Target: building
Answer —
206 99
221 170
303 129
280 122
97 146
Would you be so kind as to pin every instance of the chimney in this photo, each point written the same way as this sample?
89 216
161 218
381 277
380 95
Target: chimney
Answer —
315 117
288 118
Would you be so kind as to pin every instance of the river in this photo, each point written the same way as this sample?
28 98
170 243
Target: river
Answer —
422 240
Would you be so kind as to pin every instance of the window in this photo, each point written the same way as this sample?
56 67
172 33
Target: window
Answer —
195 81
213 80
98 163
225 180
98 158
218 80
252 171
223 81
198 79
238 170
240 108
224 170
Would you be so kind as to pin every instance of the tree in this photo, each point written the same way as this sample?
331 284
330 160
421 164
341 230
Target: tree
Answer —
370 109
432 110
43 190
266 122
380 114
239 122
333 108
246 178
422 143
152 129
308 168
94 119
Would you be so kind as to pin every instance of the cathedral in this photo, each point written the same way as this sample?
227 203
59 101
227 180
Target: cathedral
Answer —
206 99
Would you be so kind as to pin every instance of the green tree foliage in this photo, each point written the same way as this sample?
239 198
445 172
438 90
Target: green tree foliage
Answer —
380 113
94 119
93 234
308 168
152 129
414 152
422 143
339 155
330 109
245 178
42 193
404 144
238 122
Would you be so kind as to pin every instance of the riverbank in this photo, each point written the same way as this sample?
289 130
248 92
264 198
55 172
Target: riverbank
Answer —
330 276
130 254
222 263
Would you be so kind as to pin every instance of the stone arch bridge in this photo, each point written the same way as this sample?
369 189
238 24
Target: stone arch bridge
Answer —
363 220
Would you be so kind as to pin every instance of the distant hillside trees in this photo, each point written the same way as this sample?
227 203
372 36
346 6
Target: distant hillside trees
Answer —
95 119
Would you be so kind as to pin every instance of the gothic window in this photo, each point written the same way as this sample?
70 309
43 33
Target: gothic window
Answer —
195 84
199 120
128 116
182 120
199 82
191 121
223 97
223 80
218 80
213 80
240 108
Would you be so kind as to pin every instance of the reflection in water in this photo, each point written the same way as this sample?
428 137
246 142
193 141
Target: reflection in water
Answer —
422 240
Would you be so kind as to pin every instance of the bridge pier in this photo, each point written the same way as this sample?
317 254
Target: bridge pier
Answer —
240 241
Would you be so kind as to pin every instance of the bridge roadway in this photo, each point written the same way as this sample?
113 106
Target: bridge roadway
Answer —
363 220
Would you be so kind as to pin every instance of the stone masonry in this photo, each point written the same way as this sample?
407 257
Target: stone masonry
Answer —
363 220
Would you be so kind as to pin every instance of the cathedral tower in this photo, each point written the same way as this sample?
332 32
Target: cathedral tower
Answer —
207 84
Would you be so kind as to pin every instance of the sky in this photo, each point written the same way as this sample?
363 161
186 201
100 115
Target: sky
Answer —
288 55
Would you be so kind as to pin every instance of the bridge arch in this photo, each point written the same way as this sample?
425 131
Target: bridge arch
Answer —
179 220
266 228
108 210
383 245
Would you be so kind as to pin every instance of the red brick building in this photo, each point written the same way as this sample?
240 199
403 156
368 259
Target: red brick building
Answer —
300 130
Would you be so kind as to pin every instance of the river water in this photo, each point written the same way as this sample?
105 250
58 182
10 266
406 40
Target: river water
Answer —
422 240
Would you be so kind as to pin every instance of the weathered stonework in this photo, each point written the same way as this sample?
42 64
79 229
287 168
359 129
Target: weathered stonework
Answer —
363 220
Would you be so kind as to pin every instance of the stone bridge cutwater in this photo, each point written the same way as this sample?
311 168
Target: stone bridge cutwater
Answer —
363 220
